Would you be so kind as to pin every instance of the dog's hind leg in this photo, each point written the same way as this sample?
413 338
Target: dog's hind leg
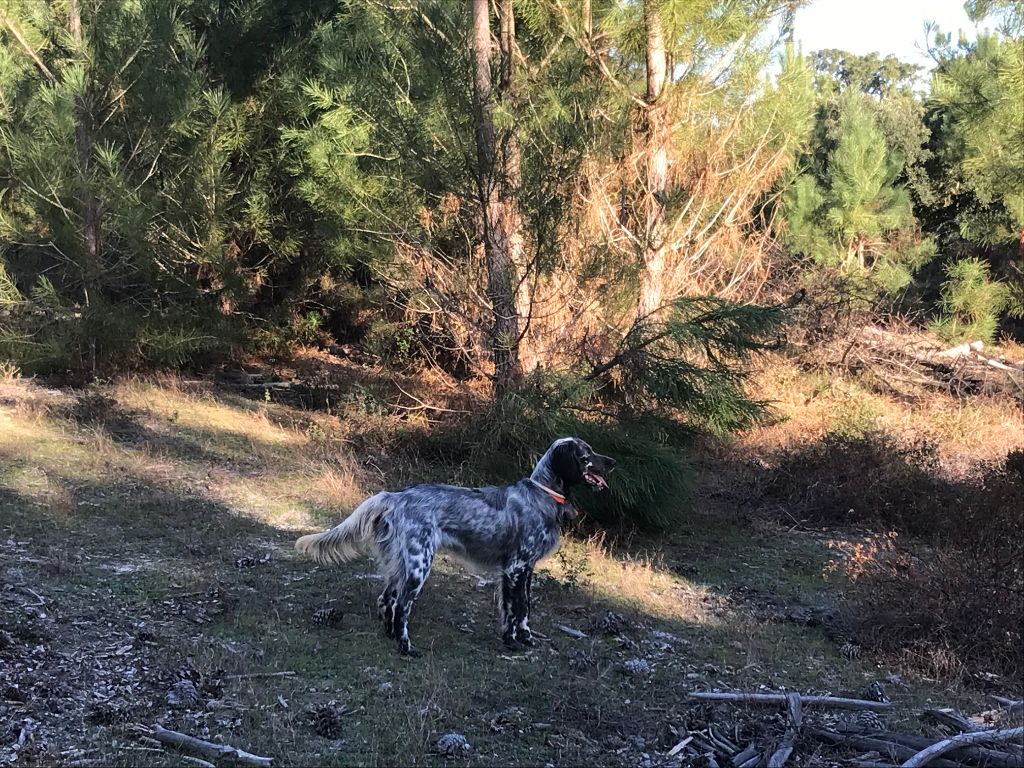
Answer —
402 608
418 568
386 608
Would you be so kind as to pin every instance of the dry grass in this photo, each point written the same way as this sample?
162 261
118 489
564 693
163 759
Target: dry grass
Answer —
638 583
810 405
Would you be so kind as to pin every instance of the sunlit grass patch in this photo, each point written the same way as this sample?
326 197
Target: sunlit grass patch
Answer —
637 583
209 415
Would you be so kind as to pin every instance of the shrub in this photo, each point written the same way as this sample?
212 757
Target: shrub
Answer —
963 595
970 302
854 477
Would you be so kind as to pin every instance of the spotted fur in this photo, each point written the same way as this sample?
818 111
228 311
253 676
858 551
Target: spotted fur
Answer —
502 529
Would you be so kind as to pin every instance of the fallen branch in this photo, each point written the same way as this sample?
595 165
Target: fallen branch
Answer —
781 755
781 698
679 747
926 756
1011 705
953 719
248 675
208 748
571 632
748 755
887 749
970 755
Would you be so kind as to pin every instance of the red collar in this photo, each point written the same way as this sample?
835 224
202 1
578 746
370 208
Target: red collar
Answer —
559 498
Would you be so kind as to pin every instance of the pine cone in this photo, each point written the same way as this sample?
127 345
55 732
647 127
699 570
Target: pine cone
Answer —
870 720
875 692
326 720
183 694
326 617
850 650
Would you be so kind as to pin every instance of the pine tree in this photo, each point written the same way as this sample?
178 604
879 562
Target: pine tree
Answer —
848 210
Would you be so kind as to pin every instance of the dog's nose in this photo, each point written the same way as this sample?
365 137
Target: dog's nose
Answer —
610 462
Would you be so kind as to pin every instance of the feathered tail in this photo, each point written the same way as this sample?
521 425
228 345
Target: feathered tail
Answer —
353 537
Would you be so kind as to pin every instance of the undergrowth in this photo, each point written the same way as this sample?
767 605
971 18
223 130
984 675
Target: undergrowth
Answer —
944 580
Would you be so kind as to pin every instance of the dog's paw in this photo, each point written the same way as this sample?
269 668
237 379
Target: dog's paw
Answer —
408 649
526 638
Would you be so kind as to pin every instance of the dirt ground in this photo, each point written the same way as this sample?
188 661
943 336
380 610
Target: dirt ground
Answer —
147 576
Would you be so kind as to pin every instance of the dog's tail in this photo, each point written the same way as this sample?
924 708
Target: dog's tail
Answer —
353 537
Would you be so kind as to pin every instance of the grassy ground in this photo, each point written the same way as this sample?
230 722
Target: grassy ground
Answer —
147 533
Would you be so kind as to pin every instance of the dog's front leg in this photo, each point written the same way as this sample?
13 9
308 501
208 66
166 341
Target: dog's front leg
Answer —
515 607
525 635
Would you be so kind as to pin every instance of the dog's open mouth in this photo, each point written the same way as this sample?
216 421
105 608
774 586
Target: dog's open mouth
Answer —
595 480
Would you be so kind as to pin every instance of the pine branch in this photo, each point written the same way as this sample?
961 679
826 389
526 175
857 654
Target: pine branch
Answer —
16 33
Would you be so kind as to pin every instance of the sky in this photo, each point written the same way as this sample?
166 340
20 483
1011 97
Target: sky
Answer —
885 26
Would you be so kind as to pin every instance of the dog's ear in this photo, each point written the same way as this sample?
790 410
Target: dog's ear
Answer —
565 462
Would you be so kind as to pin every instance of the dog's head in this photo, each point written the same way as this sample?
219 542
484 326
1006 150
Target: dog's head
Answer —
575 462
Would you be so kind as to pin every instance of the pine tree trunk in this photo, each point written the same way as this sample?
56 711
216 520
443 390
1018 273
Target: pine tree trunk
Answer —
84 141
655 130
501 219
511 172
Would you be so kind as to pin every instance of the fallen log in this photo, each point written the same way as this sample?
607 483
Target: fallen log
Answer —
208 748
960 350
929 755
781 698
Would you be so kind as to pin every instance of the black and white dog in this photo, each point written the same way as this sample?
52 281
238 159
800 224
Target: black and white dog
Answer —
504 529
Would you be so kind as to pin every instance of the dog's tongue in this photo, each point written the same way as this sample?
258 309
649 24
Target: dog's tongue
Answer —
597 480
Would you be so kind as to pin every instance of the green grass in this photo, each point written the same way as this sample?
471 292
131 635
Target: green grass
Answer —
131 527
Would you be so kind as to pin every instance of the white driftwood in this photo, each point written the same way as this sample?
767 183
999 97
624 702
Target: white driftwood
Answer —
781 698
925 756
208 748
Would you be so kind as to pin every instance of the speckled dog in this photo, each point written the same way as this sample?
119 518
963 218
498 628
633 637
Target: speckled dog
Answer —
504 529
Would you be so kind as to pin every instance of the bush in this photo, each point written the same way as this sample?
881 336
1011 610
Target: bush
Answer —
971 302
863 478
963 596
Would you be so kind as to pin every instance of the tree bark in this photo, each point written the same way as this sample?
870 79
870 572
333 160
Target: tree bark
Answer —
498 221
655 130
511 161
90 205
